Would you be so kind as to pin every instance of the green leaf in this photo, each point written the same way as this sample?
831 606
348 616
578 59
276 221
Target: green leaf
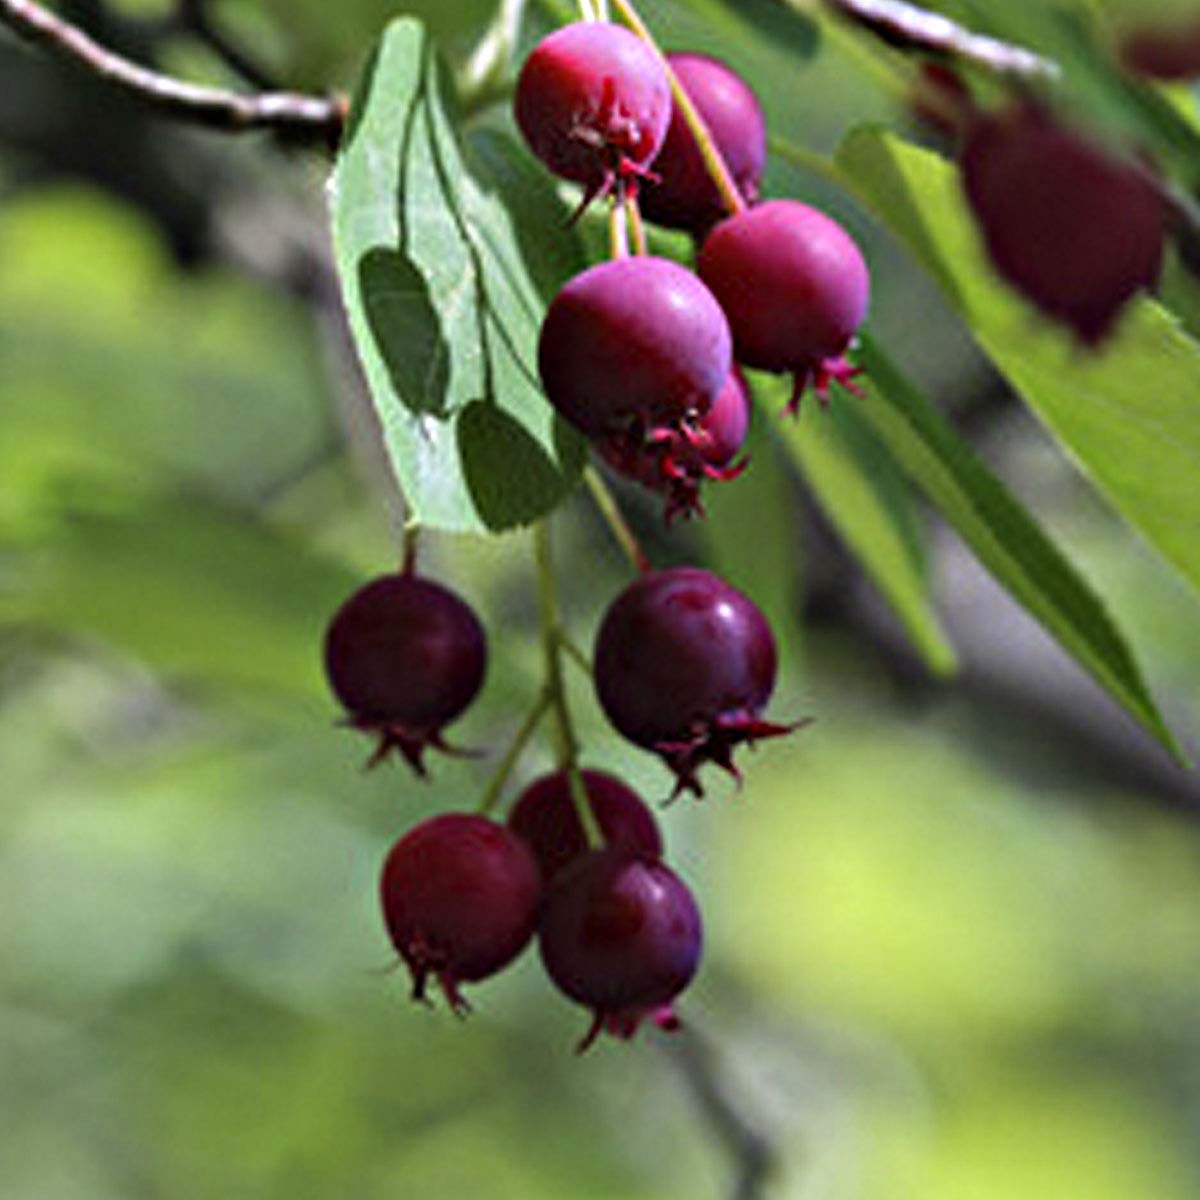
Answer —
1129 414
855 481
432 242
1004 536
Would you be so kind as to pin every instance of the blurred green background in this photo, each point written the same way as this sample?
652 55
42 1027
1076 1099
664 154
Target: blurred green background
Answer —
953 929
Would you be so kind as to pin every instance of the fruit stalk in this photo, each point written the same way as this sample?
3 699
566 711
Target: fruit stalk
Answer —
615 520
714 163
491 794
568 743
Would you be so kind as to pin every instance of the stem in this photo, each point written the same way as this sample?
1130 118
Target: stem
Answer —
313 118
576 655
587 11
618 232
568 743
636 227
615 520
411 539
521 738
714 163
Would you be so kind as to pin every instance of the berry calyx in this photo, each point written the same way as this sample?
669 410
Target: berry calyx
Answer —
794 287
622 936
460 898
676 463
593 101
1075 230
544 818
684 196
685 664
405 656
633 353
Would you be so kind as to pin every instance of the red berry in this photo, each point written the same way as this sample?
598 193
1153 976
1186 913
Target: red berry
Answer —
593 101
794 287
685 664
1168 50
405 656
715 439
1073 229
622 936
460 899
633 352
545 819
685 196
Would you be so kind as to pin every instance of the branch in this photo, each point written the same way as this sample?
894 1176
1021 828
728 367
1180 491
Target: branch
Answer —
307 118
913 28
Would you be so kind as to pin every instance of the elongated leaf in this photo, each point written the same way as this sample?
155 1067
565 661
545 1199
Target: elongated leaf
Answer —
855 485
1130 414
1005 537
431 245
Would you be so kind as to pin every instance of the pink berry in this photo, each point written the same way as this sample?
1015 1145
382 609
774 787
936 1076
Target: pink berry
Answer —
634 352
716 438
622 936
685 197
593 101
1073 229
460 900
685 664
545 819
794 287
405 656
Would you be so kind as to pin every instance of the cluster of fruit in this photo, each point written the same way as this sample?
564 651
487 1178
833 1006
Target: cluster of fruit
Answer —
637 353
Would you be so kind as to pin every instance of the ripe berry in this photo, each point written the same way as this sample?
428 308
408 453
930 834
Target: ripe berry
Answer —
545 819
622 936
716 438
1076 231
405 656
1167 50
633 352
794 287
460 898
684 666
685 196
593 101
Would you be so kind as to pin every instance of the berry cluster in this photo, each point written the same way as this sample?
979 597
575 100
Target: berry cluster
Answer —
639 354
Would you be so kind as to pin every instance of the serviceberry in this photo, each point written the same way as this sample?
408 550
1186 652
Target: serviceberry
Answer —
794 287
460 899
544 817
1075 230
684 666
621 935
684 196
405 656
717 437
593 101
1167 50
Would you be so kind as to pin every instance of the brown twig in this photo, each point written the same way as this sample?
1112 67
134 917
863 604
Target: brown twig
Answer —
299 117
911 27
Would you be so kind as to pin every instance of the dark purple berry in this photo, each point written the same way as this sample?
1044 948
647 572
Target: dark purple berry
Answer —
708 453
593 101
685 665
544 818
622 936
1167 50
405 656
795 289
460 899
1075 230
685 197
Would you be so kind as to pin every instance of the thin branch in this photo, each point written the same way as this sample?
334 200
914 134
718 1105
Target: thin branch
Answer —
914 28
309 118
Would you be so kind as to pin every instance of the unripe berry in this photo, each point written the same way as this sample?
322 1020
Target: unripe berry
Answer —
544 818
593 101
685 197
460 899
795 289
405 656
685 664
622 936
1073 229
677 467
